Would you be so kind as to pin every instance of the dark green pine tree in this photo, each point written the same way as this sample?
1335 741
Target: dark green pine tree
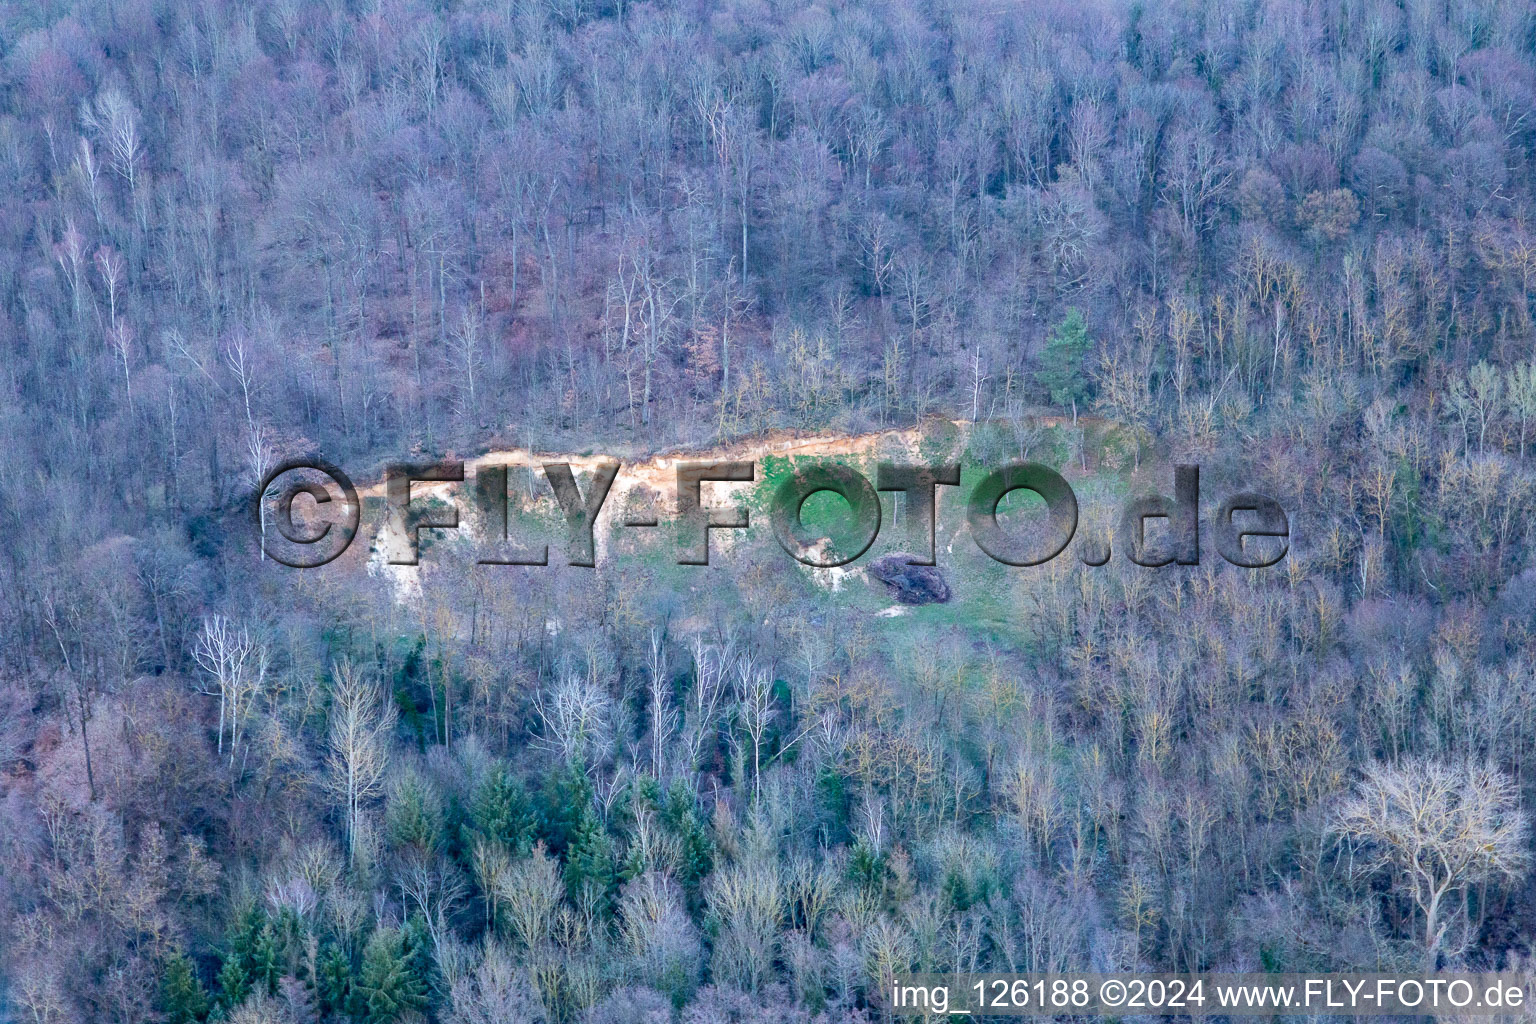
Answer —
640 796
681 815
415 815
418 955
248 953
591 869
388 986
957 893
183 999
499 811
244 932
291 937
563 800
867 867
234 983
333 983
1061 371
265 964
632 865
643 792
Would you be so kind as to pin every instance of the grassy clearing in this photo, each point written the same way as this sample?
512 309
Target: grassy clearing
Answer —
991 602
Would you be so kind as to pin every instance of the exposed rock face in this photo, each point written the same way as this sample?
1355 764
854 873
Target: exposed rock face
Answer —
910 584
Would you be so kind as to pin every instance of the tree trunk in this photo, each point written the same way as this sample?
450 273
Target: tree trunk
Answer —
83 702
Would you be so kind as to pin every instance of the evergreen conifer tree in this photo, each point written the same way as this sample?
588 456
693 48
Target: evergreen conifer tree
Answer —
387 986
182 997
1061 371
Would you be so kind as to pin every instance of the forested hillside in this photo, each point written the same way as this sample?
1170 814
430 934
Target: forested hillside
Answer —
1290 241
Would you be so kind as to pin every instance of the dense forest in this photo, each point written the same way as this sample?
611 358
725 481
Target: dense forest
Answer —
1291 241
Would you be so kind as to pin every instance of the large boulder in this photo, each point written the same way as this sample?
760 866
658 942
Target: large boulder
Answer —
910 584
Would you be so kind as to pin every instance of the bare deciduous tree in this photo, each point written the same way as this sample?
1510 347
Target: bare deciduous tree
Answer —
755 706
661 940
495 992
114 119
237 667
1439 828
748 900
575 717
704 699
663 715
529 892
360 726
